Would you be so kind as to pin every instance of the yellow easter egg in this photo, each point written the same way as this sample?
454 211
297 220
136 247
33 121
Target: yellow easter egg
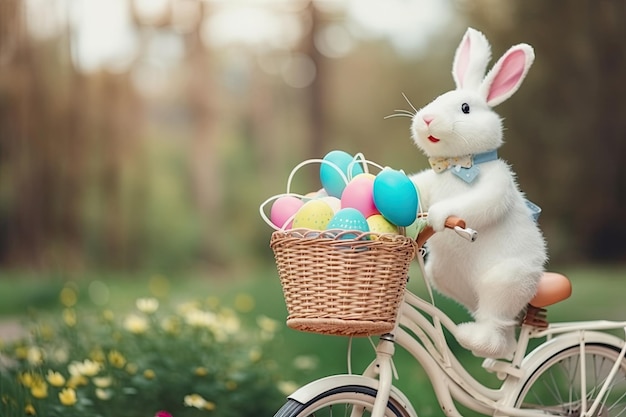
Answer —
378 224
366 175
314 214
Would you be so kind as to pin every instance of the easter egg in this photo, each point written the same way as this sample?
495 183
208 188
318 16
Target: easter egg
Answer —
359 194
349 219
333 202
315 194
314 214
333 170
378 224
396 197
283 209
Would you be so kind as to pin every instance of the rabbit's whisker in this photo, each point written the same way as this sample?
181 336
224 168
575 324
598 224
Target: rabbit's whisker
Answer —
459 135
409 101
407 114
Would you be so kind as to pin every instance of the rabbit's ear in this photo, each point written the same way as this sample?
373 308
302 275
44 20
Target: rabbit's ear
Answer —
470 60
507 74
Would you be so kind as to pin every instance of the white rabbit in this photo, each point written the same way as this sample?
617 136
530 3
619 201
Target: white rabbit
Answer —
496 276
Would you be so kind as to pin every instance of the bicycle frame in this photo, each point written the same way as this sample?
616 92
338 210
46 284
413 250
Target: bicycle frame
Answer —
425 340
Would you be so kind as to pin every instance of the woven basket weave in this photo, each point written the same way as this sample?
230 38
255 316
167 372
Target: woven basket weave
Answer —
342 284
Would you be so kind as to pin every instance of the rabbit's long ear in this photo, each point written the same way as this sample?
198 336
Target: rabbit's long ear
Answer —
507 74
470 60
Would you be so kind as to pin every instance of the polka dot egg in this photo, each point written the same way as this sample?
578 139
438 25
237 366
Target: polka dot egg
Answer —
314 215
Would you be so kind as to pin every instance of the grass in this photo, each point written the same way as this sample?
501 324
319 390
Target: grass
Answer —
598 294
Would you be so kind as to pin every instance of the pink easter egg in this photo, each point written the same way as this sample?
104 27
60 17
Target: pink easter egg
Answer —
284 208
359 194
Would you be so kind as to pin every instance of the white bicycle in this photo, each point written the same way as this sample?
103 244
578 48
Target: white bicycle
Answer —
578 369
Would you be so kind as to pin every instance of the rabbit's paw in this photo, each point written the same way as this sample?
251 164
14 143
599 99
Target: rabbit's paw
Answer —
437 215
486 340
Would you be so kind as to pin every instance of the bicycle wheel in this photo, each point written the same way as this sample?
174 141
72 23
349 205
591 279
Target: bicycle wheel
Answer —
340 401
555 385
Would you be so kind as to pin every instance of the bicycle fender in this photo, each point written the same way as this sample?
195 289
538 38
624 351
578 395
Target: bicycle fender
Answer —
557 344
566 340
313 389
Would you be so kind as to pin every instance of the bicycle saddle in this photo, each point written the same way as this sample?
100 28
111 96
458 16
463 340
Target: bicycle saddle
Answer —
552 288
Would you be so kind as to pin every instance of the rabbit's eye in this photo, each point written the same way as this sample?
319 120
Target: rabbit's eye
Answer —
465 108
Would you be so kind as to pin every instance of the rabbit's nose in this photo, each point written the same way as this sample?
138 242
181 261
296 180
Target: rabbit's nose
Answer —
428 118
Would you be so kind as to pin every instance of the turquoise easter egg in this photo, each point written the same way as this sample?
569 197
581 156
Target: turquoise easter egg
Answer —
333 170
349 219
396 197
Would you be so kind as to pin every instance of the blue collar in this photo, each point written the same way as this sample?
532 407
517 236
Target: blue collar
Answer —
469 174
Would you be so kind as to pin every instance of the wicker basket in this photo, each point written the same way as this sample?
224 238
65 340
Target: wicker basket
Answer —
342 286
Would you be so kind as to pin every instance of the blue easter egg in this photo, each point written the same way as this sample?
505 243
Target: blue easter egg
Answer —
349 219
336 163
396 197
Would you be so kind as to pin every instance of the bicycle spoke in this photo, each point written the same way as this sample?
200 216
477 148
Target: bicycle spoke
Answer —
556 386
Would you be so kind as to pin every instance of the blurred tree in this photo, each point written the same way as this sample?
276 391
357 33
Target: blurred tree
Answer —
121 168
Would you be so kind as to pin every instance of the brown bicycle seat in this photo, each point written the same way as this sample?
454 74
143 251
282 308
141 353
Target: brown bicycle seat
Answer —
552 288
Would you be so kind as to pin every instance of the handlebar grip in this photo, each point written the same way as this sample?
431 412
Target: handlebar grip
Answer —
454 221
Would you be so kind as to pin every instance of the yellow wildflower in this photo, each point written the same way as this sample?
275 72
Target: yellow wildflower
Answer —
103 394
86 368
267 324
29 410
67 396
39 389
69 317
68 297
201 371
149 374
196 401
147 305
34 355
90 368
116 359
171 325
132 368
199 318
77 380
187 307
136 324
305 362
27 379
102 381
287 387
61 355
55 378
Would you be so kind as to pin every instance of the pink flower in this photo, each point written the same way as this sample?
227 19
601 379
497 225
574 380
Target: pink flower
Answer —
162 414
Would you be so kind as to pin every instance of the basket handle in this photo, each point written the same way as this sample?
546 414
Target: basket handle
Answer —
452 222
359 158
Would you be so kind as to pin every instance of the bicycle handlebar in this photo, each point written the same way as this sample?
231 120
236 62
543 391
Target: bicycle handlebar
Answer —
455 223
